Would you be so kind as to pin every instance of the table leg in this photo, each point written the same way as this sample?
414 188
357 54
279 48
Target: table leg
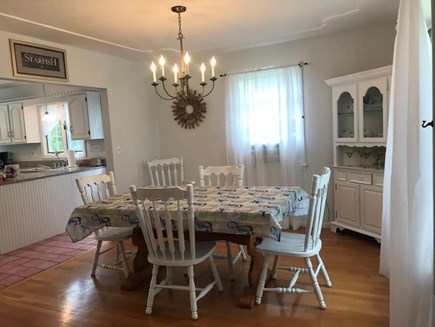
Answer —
247 299
141 267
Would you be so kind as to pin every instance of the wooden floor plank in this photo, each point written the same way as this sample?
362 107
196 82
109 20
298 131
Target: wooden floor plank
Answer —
66 295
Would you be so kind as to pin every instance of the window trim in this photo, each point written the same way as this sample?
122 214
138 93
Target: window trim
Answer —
45 154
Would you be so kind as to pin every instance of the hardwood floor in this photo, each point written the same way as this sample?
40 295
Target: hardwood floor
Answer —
66 295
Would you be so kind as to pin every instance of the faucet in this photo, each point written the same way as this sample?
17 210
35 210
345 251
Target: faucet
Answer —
56 157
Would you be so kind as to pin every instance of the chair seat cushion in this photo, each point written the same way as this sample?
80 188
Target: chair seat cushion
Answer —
203 250
113 233
291 244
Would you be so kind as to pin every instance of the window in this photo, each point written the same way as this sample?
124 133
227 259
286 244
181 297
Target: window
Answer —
265 128
56 132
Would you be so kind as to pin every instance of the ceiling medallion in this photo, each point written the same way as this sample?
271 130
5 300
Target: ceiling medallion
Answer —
188 105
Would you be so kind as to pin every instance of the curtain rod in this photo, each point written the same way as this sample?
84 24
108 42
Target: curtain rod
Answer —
300 64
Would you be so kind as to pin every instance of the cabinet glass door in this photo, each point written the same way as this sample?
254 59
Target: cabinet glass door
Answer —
346 116
373 102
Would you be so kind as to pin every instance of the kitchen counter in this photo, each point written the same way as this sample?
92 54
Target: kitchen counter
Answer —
29 176
35 206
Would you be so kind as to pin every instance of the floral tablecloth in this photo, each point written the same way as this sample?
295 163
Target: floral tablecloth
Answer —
236 210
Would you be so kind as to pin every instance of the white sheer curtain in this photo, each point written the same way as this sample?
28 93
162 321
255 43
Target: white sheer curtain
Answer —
407 226
265 128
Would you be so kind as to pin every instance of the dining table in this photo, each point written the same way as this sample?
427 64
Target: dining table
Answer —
239 214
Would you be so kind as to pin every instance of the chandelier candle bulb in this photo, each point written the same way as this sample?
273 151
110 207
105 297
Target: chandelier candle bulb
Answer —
153 69
187 61
162 64
212 63
202 72
175 69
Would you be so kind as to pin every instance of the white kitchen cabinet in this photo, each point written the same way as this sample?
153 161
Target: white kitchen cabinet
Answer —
32 123
85 116
360 114
4 125
358 201
18 125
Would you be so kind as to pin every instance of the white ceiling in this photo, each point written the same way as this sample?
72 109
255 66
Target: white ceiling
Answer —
133 28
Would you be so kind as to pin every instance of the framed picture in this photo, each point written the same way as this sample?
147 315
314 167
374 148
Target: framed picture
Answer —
38 61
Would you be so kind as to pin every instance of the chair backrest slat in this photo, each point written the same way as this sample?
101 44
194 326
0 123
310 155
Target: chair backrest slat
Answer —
318 195
166 172
221 175
169 207
96 188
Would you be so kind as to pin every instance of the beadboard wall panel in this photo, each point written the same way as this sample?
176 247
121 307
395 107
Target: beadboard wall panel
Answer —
35 210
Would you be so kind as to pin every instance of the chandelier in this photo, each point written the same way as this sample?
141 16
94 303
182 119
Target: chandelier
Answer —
188 105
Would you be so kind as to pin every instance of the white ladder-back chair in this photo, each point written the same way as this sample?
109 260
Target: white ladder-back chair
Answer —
301 246
221 175
97 188
172 249
224 176
166 172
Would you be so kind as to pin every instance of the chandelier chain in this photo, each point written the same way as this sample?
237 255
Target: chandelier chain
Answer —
180 32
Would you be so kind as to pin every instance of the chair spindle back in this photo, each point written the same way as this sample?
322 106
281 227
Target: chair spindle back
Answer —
221 175
318 195
152 206
96 188
166 172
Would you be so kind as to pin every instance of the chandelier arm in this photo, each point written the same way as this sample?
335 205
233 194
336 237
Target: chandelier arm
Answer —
168 94
212 87
171 97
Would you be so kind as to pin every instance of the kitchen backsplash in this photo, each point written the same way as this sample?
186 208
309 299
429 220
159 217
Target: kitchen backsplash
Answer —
32 152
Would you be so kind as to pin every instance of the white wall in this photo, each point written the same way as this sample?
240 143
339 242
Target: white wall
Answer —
129 111
329 56
130 106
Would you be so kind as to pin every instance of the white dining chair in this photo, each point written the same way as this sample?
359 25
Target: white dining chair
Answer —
304 246
168 248
166 172
225 176
97 188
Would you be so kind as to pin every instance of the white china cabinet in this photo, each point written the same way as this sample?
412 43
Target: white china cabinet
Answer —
360 112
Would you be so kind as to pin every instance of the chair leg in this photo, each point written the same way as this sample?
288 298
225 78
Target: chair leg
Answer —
121 251
262 281
192 293
117 252
275 266
96 257
215 273
316 285
152 290
242 252
323 270
230 260
169 275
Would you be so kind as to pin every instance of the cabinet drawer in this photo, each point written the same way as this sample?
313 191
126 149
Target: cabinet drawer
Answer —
340 175
360 177
378 179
